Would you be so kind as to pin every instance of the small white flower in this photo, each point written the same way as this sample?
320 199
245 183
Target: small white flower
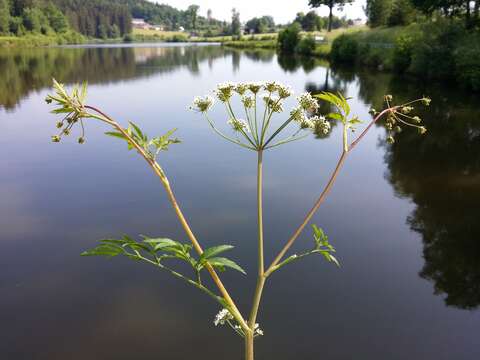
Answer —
202 104
307 102
320 124
307 124
222 317
257 331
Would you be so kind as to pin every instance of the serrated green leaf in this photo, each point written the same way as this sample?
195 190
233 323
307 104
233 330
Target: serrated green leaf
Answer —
222 263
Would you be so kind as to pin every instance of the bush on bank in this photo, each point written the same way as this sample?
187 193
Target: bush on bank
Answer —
443 50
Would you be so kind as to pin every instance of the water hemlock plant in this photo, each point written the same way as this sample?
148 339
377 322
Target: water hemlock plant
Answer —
259 131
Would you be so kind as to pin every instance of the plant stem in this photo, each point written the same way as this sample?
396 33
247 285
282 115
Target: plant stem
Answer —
346 150
249 355
166 184
309 215
261 266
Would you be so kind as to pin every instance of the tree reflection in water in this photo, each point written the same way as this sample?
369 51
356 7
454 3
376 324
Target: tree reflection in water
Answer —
440 173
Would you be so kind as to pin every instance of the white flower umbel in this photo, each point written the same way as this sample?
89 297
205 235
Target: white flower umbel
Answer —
257 331
248 101
241 88
320 124
239 125
225 91
255 87
307 102
222 317
284 91
202 104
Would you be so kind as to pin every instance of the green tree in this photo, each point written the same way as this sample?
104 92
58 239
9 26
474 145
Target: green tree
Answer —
402 13
236 25
192 13
57 20
4 17
289 38
378 12
309 22
331 4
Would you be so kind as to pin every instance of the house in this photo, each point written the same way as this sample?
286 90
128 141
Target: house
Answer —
140 24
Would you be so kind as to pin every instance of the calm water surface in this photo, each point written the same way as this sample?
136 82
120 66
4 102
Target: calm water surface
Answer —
404 218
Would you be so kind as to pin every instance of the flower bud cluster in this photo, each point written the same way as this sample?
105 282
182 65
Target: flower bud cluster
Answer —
399 116
222 317
202 104
239 125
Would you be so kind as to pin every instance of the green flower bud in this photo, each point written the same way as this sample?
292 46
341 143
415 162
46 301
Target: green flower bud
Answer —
390 139
59 124
398 129
422 130
417 119
388 97
48 100
81 140
55 138
426 101
66 132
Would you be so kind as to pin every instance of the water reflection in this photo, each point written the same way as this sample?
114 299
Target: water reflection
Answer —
27 70
440 173
119 310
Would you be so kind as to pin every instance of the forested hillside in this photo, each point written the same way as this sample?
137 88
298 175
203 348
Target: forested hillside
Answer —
95 18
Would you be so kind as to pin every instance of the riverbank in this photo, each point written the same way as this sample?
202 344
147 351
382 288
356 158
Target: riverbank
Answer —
37 40
442 50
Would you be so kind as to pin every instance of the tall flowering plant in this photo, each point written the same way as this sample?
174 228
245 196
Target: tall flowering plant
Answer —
256 129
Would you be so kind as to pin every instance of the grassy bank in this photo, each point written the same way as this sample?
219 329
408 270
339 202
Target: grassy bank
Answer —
35 40
443 50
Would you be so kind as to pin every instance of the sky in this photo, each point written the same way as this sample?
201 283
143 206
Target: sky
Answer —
283 11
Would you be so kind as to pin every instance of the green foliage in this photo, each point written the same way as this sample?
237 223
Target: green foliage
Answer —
157 250
321 246
331 4
344 49
306 46
402 13
289 38
402 56
467 62
152 147
4 17
260 25
378 12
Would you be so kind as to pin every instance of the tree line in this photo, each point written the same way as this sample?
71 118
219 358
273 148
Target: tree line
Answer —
404 12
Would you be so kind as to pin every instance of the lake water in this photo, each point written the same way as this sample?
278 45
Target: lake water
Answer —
405 218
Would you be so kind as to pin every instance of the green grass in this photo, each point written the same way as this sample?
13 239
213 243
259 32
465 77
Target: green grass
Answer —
36 40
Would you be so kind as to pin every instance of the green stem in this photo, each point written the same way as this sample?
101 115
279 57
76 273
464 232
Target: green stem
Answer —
261 266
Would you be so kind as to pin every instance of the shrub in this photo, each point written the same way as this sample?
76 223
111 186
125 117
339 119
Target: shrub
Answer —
402 55
289 38
344 49
306 46
467 62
